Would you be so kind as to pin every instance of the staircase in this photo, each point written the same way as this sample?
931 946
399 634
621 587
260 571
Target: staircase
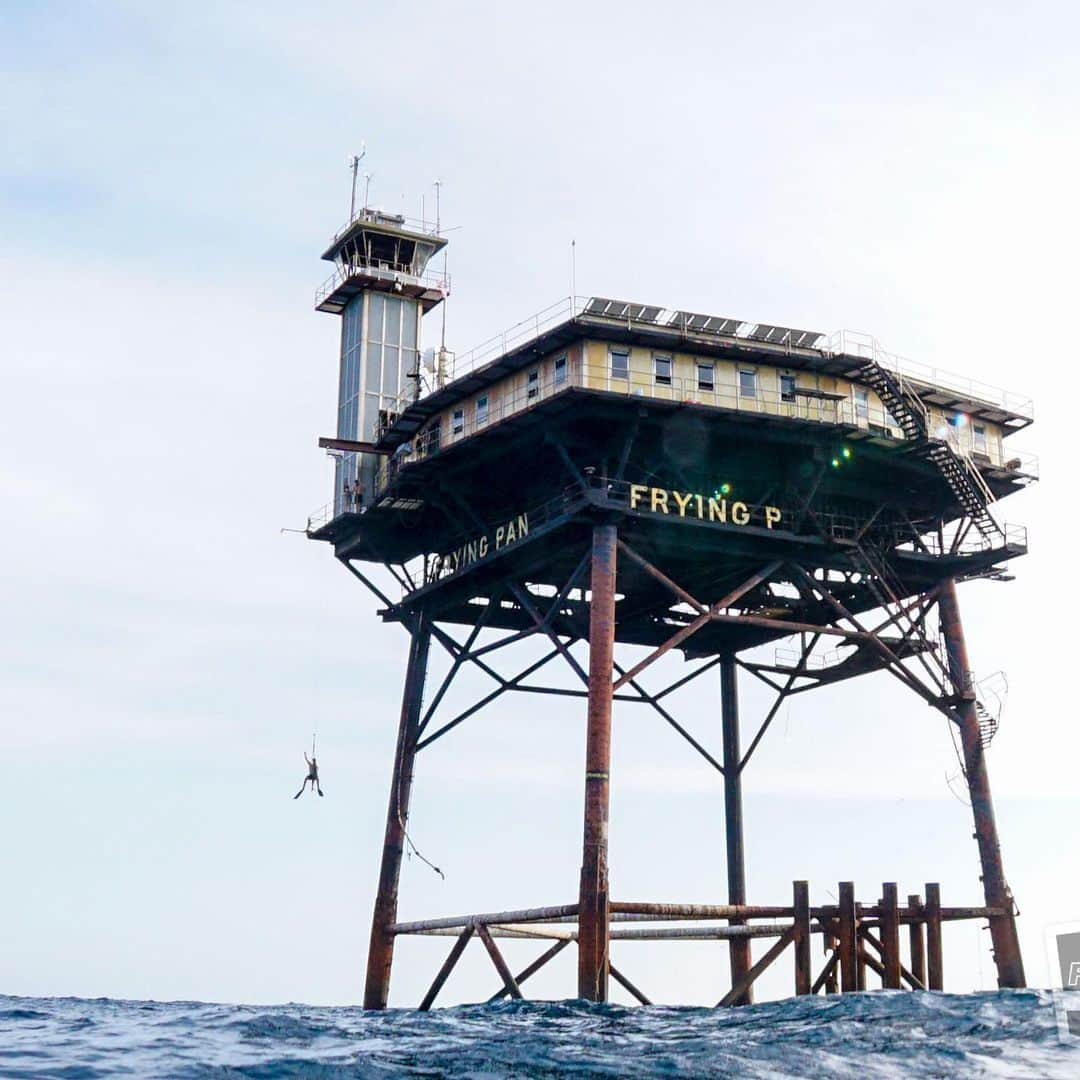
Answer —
959 472
988 724
988 695
902 404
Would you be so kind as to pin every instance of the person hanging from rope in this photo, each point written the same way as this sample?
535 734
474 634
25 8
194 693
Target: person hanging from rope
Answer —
312 775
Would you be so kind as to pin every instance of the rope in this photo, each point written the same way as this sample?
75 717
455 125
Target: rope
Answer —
412 849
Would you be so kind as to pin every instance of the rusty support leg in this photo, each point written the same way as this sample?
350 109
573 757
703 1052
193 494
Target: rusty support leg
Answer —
533 968
1010 964
934 973
848 948
448 966
381 948
740 991
593 913
917 939
827 978
801 905
738 948
890 936
501 966
627 985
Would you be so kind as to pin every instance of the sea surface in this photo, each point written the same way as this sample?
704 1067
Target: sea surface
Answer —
1010 1034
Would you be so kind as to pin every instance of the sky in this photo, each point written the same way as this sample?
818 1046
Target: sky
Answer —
168 179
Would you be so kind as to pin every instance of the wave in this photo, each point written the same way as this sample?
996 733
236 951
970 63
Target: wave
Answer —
878 1036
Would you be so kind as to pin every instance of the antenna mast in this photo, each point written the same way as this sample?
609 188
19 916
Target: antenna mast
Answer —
440 366
353 163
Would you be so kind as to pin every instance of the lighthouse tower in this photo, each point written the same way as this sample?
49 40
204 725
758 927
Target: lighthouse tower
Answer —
380 288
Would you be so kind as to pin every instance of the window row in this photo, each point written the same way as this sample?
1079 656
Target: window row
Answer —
706 375
481 407
747 382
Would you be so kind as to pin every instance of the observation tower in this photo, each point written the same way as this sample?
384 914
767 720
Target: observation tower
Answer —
614 473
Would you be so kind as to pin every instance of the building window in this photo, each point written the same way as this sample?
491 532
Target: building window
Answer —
620 363
481 409
458 424
706 377
787 387
532 384
434 437
747 382
662 370
978 438
862 404
560 371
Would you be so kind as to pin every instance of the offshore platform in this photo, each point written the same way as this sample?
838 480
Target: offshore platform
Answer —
617 473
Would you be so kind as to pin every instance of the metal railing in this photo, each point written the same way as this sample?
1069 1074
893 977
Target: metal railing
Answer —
1016 461
395 273
866 347
837 412
846 342
377 217
972 543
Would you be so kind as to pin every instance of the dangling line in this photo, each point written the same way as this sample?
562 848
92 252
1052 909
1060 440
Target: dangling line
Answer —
413 849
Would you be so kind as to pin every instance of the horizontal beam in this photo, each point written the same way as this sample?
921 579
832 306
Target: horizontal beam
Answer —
351 446
547 932
624 911
523 915
679 912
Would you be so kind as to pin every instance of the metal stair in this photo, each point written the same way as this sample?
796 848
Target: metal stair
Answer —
902 404
988 724
988 695
959 472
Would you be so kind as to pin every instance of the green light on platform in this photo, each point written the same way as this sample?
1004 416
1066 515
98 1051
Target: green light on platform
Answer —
723 489
836 463
847 451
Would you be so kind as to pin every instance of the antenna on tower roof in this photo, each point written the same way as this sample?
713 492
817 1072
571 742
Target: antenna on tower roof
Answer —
353 162
438 225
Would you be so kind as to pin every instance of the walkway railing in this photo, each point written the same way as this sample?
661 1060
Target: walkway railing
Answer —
858 938
847 342
472 417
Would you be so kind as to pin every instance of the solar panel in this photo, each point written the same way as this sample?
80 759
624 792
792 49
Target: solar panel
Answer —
806 338
621 309
717 325
704 324
783 335
760 332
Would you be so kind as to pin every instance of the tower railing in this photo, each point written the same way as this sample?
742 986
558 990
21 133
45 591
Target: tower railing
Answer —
394 273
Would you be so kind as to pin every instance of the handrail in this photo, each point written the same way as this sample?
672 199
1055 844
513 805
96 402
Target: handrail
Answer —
392 272
866 347
410 224
842 342
837 412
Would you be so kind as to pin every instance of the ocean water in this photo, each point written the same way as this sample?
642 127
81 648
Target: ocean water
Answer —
1009 1034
